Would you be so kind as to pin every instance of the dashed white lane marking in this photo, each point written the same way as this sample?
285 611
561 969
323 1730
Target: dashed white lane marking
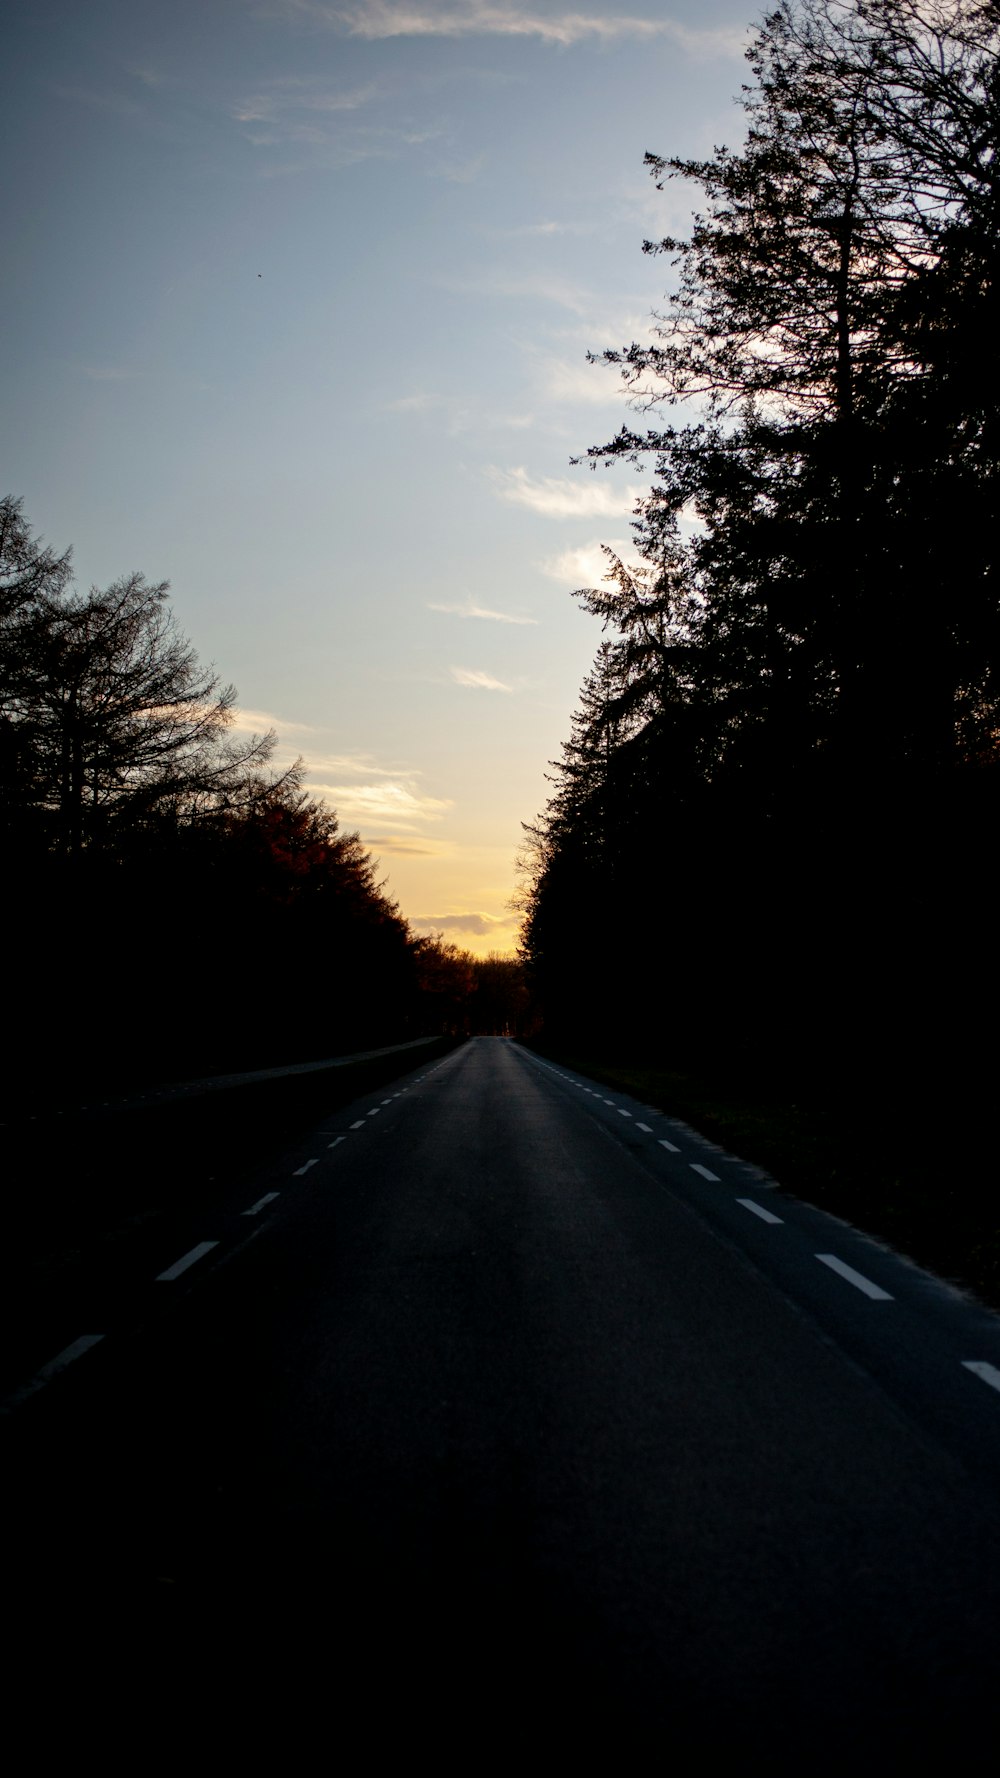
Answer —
375 1112
387 1101
359 1125
622 1113
758 1210
609 1101
189 1259
672 1146
75 1349
336 1144
268 1198
706 1173
877 1294
978 1367
643 1127
300 1170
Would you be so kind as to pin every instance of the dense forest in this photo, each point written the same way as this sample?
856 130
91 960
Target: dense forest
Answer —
770 847
172 903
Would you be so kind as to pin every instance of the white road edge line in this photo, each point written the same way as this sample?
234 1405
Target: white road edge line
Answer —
300 1170
758 1210
75 1349
877 1294
670 1145
181 1265
706 1173
268 1198
988 1373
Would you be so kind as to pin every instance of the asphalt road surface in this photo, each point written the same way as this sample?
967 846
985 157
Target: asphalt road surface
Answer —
505 1417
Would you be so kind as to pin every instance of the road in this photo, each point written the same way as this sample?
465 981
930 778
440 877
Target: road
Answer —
500 1410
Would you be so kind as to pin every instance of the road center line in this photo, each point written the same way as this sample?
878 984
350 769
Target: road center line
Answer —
189 1259
696 1167
268 1198
758 1210
979 1368
670 1145
856 1278
300 1170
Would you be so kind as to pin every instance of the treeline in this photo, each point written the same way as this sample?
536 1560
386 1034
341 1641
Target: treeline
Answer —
171 902
771 842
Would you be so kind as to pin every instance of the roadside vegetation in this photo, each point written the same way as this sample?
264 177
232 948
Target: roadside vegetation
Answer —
174 905
853 1159
766 871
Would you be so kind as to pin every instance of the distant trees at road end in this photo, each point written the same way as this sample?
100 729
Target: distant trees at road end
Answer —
771 842
171 902
485 996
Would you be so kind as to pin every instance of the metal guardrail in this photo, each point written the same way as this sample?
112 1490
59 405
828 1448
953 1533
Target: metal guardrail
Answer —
174 1091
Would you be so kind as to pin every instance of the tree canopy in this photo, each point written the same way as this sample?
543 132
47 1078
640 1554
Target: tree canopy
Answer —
792 729
179 902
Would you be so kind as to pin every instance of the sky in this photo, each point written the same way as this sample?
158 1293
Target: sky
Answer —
295 309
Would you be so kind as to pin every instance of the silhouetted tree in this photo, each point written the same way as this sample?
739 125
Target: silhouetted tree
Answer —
802 700
177 903
839 251
33 580
500 1000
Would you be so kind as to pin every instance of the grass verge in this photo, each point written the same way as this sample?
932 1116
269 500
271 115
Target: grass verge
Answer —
918 1185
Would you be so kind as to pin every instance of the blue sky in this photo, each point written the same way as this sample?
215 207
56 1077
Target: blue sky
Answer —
296 303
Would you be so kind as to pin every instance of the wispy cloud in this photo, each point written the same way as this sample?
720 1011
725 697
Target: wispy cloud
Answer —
258 722
533 287
583 384
471 609
359 787
401 804
288 104
401 847
419 403
586 565
553 228
480 924
459 172
375 19
479 681
458 415
556 497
